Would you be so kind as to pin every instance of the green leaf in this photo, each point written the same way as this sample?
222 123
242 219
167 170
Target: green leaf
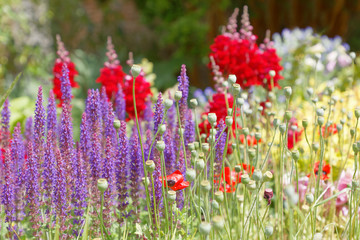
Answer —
7 93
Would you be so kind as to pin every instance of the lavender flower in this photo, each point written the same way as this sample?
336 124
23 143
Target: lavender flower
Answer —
120 104
158 115
171 117
183 80
93 111
5 128
8 197
169 152
49 174
39 129
81 191
121 169
51 123
189 128
29 132
220 146
65 85
135 169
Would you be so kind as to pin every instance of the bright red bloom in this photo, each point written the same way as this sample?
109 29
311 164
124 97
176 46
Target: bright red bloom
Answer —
57 71
325 170
142 93
251 140
175 181
331 130
110 77
293 135
232 177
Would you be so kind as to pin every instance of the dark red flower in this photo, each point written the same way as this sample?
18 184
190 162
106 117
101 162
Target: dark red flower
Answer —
331 130
175 181
268 195
142 93
325 170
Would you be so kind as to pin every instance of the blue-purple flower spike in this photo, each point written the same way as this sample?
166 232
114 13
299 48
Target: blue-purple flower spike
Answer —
183 80
220 146
65 85
120 104
5 129
49 174
39 128
8 191
29 131
51 121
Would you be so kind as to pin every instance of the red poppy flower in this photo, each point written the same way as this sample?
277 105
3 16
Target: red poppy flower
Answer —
293 135
325 170
251 140
331 130
175 181
57 71
232 177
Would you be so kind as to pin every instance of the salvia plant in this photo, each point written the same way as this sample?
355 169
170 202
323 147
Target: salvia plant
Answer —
230 164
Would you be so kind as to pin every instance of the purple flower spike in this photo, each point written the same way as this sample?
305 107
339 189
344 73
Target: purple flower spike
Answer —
189 128
65 85
158 115
169 152
220 146
81 190
60 200
183 80
51 114
49 174
5 129
39 128
121 170
32 191
8 197
135 169
29 132
108 166
120 104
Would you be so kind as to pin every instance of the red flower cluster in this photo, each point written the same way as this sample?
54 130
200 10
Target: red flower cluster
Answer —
236 53
293 136
57 70
331 130
232 177
142 93
325 170
175 181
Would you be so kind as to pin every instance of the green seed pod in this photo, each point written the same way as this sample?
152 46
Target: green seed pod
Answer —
219 196
245 131
268 105
135 70
352 132
288 115
178 95
225 84
190 174
205 228
191 146
229 111
171 195
193 103
194 153
287 91
232 79
272 73
218 223
102 185
196 144
309 198
199 164
257 136
272 96
251 185
330 90
240 101
150 166
236 88
257 175
310 91
315 146
269 230
339 127
320 121
212 118
295 155
117 123
260 109
205 147
162 129
237 168
282 128
276 122
213 131
252 153
245 179
320 112
229 121
168 103
267 176
147 181
355 148
205 186
215 205
160 146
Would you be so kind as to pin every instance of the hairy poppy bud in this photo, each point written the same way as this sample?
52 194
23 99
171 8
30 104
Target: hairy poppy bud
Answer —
320 112
309 198
171 195
205 228
218 222
245 131
315 146
237 168
219 196
240 101
199 164
251 185
257 175
305 123
288 115
193 103
229 121
257 136
135 70
116 123
191 146
205 147
150 166
102 185
295 155
168 103
245 178
178 95
276 122
160 146
320 121
272 73
269 231
236 88
310 91
162 129
287 91
232 79
215 205
205 186
357 112
212 118
282 128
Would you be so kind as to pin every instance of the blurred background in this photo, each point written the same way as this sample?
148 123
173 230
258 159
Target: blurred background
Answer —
166 32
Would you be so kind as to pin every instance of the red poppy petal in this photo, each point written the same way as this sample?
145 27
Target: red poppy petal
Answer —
180 186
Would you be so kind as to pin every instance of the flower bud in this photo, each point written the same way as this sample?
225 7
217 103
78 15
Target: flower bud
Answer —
218 223
276 122
269 231
225 84
352 55
205 186
320 121
168 103
232 79
252 153
318 236
199 164
193 103
320 112
352 132
191 146
135 70
215 205
178 95
171 195
212 118
117 123
180 131
219 196
196 144
315 146
272 96
260 109
245 131
237 168
160 146
245 179
205 147
257 175
190 174
267 176
229 121
272 73
339 127
287 91
310 91
240 101
236 88
268 105
354 184
295 155
102 185
355 148
145 180
201 155
257 136
282 128
357 112
150 166
330 90
251 185
162 129
229 111
288 115
205 228
213 131
194 153
305 123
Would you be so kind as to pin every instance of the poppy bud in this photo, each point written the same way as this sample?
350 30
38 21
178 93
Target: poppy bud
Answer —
205 186
205 147
269 231
251 185
354 184
150 166
218 223
236 88
357 112
245 131
288 115
196 144
352 55
272 73
199 164
225 84
355 148
147 181
268 104
171 195
282 128
320 121
215 205
276 122
203 137
295 155
287 91
193 103
272 96
320 112
229 121
245 178
180 131
339 127
240 101
135 70
205 228
315 146
342 121
102 185
237 168
219 196
162 129
257 175
212 118
168 103
309 198
330 90
211 139
352 132
194 153
191 146
190 174
160 146
116 123
232 79
229 111
267 176
251 153
201 155
305 123
178 95
260 109
310 91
